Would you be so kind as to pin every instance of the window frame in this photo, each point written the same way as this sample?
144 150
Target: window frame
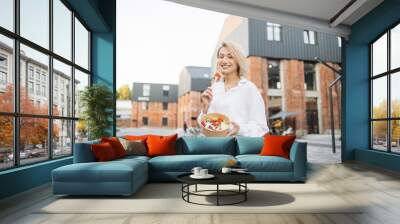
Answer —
274 28
16 115
388 75
278 64
314 76
164 121
165 106
306 35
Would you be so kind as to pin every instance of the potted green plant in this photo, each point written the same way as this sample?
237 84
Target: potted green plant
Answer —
96 104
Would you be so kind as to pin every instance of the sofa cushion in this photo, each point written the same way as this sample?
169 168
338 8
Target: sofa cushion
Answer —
161 145
207 145
275 145
249 145
103 152
116 145
136 147
112 171
257 163
185 163
136 137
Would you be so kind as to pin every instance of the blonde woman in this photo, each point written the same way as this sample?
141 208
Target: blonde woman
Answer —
235 96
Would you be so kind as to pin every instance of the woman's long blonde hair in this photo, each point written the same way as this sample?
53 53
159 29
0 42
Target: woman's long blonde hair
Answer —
237 55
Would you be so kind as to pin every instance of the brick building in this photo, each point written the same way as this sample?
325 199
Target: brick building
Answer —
154 105
282 65
192 81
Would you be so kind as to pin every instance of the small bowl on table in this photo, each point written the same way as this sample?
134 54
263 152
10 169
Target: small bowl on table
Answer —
210 130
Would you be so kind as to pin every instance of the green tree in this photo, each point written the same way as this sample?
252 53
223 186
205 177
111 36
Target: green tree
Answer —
124 93
97 110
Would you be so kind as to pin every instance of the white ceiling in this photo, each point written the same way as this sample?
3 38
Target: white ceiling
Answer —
321 9
311 14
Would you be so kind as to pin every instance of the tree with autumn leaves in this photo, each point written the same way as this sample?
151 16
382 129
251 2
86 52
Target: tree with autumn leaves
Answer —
380 127
33 131
124 93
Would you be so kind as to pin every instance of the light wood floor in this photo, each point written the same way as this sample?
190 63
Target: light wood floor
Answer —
379 189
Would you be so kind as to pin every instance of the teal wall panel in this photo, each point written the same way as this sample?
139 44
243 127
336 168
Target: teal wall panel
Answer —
24 178
356 99
103 64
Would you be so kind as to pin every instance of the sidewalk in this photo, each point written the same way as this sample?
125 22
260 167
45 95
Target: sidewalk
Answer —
319 149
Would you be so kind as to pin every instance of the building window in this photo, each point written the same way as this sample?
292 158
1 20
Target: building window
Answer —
38 89
43 77
165 105
165 90
385 97
339 41
3 78
274 80
30 87
164 121
3 61
3 72
146 90
43 90
145 121
274 31
309 76
310 37
30 71
37 75
145 105
312 115
274 107
35 54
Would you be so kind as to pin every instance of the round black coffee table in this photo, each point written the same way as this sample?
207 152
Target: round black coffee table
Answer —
238 179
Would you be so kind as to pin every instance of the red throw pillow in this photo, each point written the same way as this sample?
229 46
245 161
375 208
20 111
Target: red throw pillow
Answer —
116 145
103 152
161 145
275 145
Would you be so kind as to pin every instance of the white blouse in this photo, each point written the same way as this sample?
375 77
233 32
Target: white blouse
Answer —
243 105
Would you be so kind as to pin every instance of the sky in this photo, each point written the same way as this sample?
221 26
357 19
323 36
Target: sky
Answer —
156 39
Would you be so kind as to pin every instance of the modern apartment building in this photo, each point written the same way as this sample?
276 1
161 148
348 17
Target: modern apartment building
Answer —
282 63
34 88
192 81
154 105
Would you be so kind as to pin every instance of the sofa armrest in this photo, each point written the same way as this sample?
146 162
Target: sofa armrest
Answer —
83 152
298 155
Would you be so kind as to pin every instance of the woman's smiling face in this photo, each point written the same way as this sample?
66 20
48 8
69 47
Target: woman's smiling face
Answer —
226 62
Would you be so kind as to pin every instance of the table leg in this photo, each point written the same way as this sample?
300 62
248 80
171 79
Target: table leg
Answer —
188 190
217 194
245 193
196 187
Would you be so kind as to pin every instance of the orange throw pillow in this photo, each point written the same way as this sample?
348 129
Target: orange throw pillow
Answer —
103 152
116 145
136 137
161 145
275 145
